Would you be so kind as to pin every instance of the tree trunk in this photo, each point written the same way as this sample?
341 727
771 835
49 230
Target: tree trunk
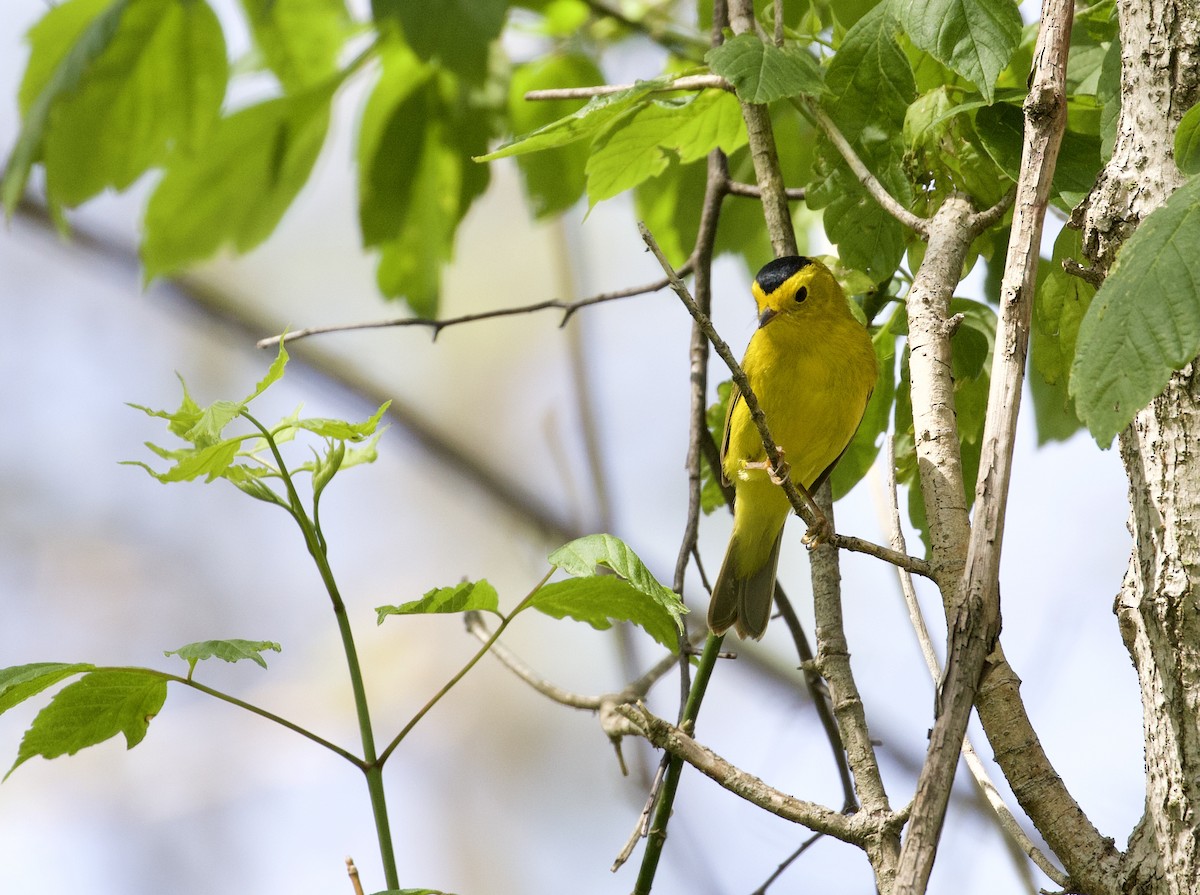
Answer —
1158 607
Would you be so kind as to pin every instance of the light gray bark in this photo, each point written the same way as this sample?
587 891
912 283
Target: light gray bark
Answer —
1158 607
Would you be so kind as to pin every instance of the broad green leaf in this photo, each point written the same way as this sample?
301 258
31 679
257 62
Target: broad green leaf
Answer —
582 124
870 81
342 430
98 706
864 447
157 86
975 38
1187 142
470 596
1144 322
1060 305
600 600
299 39
1053 409
237 190
65 42
762 72
1001 127
227 650
20 682
554 178
417 178
462 46
643 142
642 600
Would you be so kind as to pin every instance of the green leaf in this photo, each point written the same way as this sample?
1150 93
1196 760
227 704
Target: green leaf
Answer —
299 39
864 447
1059 307
65 42
1144 322
599 599
157 86
1187 142
455 33
469 596
342 430
642 143
975 38
582 124
1053 409
228 650
870 81
20 682
98 706
417 178
762 72
237 190
712 495
1000 129
554 178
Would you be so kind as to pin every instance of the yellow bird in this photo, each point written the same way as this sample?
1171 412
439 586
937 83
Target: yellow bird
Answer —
811 365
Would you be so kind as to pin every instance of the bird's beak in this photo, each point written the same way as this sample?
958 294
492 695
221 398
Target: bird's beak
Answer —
766 317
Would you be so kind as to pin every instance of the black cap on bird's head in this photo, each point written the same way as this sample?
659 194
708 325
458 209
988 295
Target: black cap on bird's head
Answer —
775 273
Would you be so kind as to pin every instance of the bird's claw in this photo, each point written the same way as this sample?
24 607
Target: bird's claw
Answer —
818 533
777 474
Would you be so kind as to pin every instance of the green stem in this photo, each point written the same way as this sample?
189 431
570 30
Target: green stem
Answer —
371 765
657 836
462 672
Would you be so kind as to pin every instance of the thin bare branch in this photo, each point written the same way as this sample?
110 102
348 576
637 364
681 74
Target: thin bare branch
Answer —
751 191
897 558
567 307
870 182
689 82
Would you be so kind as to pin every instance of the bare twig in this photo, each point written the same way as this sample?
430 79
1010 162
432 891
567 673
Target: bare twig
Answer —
352 871
1008 823
1089 275
786 863
688 82
973 610
751 191
897 558
567 307
870 182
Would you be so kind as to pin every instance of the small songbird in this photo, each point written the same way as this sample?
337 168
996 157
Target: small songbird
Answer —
812 367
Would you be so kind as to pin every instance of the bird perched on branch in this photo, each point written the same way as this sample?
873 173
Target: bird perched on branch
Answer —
812 367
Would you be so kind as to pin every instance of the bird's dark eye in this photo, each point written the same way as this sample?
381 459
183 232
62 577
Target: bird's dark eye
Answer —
801 294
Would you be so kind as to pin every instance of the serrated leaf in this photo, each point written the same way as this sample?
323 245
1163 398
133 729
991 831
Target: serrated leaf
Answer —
975 38
643 142
95 708
762 72
469 596
1187 142
583 124
299 39
20 682
1144 322
237 190
73 36
642 601
342 430
870 81
157 86
554 178
226 650
601 600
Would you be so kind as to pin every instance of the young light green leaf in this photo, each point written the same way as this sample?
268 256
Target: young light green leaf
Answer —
600 600
975 38
1144 322
762 72
236 191
644 601
582 124
98 706
20 682
157 86
342 430
227 650
299 39
66 42
469 596
641 143
1187 142
554 178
